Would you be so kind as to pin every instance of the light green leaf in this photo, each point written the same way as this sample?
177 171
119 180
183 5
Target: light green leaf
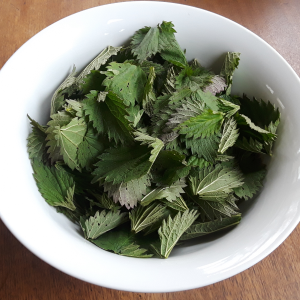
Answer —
90 148
105 202
204 125
102 222
228 107
143 217
252 184
172 229
75 108
128 193
127 81
177 204
229 135
68 139
170 193
149 96
231 63
218 182
56 102
98 61
200 229
56 186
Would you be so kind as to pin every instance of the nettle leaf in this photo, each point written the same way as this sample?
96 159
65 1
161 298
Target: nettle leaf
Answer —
149 96
98 61
57 100
216 86
68 139
123 164
204 147
231 63
36 144
121 242
194 77
134 115
144 43
170 193
102 222
217 208
216 183
59 119
172 229
56 186
252 184
128 193
200 229
90 148
125 80
177 204
105 202
260 112
74 108
195 161
229 135
143 217
228 107
251 145
204 125
168 46
92 81
109 116
148 41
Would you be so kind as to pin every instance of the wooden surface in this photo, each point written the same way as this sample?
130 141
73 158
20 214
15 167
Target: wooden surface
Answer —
24 276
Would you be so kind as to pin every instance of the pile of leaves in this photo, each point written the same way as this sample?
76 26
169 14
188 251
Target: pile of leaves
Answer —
144 149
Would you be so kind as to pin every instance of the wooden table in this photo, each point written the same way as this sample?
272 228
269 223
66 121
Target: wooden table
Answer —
24 276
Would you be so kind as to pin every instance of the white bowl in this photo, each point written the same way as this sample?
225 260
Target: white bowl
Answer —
32 74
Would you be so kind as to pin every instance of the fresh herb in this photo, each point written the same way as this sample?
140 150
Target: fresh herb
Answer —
144 149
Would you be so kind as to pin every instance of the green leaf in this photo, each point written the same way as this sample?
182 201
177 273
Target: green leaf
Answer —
108 117
172 229
251 145
143 217
149 96
92 81
74 108
102 222
170 193
128 193
216 183
122 243
204 125
228 107
229 135
252 184
168 47
98 61
177 204
204 147
36 144
144 43
123 164
217 85
125 80
105 202
57 100
56 186
200 229
135 115
90 148
231 63
216 208
59 119
68 139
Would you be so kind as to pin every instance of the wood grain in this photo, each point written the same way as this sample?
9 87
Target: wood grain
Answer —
24 276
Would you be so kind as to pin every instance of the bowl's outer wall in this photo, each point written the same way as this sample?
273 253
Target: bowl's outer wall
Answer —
33 73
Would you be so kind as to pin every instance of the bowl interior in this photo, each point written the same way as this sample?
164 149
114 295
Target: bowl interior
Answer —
33 73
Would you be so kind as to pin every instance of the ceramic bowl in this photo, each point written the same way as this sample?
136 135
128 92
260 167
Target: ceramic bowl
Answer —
33 73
